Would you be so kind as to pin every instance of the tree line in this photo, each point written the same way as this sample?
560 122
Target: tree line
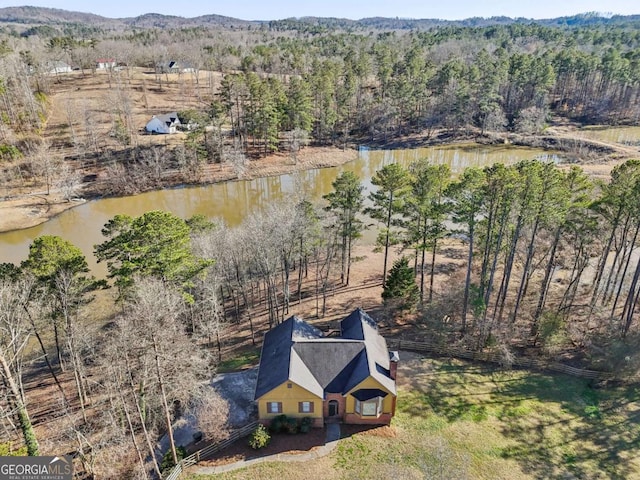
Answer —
339 86
529 229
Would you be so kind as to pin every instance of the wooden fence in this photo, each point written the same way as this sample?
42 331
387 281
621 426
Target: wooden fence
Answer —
493 357
208 451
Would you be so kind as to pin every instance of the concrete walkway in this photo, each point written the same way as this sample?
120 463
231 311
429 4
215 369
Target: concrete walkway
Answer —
331 440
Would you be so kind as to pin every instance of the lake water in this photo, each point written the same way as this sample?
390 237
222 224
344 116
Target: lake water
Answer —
621 135
232 201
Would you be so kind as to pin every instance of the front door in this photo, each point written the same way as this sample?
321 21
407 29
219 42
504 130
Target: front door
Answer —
333 408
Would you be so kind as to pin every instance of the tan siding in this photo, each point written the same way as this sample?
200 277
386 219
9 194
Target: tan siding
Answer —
290 398
370 382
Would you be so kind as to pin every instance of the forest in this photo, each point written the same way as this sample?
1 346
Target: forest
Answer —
549 262
285 87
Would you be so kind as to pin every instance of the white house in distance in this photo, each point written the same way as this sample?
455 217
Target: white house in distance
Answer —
174 67
181 68
166 123
56 67
105 63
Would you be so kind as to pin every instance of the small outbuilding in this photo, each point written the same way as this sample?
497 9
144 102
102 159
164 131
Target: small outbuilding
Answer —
167 123
182 68
174 67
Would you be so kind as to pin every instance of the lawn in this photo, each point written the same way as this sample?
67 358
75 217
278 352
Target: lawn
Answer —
459 420
246 358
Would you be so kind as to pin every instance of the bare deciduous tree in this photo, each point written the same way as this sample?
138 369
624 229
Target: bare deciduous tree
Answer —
235 157
212 413
156 311
531 120
68 182
151 167
296 139
14 336
44 164
118 180
125 382
189 164
207 314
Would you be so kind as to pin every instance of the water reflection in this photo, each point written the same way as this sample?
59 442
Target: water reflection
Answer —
621 135
233 201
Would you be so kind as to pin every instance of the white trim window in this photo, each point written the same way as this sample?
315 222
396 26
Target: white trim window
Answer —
274 407
305 407
369 408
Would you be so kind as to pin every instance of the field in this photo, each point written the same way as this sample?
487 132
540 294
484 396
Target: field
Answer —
461 420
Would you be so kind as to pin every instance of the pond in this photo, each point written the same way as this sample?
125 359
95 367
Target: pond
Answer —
232 201
605 133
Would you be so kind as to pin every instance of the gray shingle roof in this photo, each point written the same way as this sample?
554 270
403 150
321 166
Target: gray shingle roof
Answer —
297 351
327 358
365 394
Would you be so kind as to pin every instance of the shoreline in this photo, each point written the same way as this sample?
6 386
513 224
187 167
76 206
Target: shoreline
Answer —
33 209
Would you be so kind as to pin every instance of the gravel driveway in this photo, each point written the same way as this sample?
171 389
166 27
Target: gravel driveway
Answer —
238 389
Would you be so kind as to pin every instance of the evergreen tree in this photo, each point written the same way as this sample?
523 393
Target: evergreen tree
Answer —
392 182
425 211
346 202
299 107
467 195
401 286
155 244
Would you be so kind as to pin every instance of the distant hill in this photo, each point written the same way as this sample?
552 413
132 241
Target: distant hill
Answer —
156 20
49 16
55 17
385 23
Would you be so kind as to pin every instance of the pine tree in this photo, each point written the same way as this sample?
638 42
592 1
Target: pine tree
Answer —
346 202
425 211
401 286
388 200
467 196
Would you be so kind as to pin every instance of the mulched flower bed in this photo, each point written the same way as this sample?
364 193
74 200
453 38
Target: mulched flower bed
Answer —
280 443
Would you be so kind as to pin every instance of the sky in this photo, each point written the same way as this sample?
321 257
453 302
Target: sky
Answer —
278 9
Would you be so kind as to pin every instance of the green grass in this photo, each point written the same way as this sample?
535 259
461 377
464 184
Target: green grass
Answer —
461 420
244 359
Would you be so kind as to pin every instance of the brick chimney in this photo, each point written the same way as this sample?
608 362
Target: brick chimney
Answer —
393 364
